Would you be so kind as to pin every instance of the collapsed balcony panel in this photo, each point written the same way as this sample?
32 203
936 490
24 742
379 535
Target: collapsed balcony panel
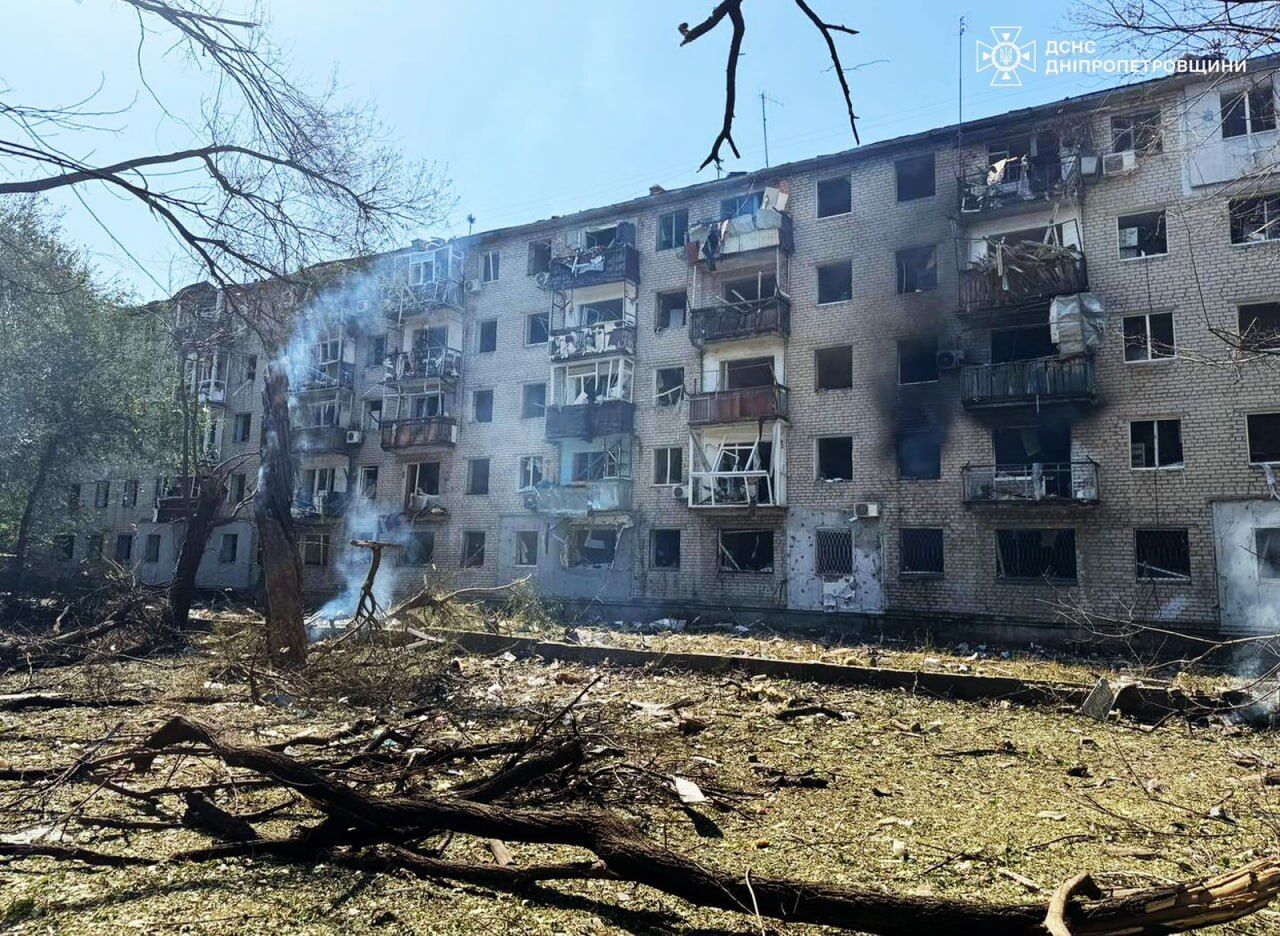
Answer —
1030 383
755 222
1022 274
606 495
568 344
580 267
746 404
1034 483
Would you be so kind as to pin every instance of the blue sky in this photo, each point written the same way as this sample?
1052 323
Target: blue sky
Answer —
536 107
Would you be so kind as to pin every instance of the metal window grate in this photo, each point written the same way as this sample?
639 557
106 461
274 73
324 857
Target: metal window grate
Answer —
833 553
1162 554
1036 554
921 552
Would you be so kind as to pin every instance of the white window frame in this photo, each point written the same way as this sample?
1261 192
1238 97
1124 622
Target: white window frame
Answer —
430 401
1271 224
536 549
1147 317
1246 95
662 456
1155 435
413 479
526 467
490 266
528 329
676 233
365 471
609 372
1129 214
679 393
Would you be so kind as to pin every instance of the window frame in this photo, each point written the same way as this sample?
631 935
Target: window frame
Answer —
937 374
470 488
665 461
524 400
491 265
234 540
515 561
483 393
676 395
659 311
242 419
318 542
1038 579
938 573
482 325
1138 566
844 532
528 461
919 159
846 264
720 551
653 548
847 179
529 319
679 235
1249 442
472 558
1270 205
148 554
1120 248
900 269
1155 444
1146 316
817 458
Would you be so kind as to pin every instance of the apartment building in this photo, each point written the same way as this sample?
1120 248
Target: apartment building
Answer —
1013 370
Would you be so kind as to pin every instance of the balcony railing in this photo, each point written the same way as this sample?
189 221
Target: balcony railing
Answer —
768 316
732 489
728 406
1023 278
443 364
334 375
213 390
310 440
580 500
1021 383
589 420
1035 483
1038 179
420 432
401 298
764 229
176 502
320 505
568 344
595 266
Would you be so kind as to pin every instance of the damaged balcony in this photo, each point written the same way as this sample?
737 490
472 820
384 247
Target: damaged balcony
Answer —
425 363
726 321
330 375
419 432
749 223
430 276
739 405
606 495
1021 275
1034 483
616 262
175 501
1030 383
319 506
1014 183
569 344
588 420
318 440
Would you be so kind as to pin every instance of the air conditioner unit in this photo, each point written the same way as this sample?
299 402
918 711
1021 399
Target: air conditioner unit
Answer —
867 510
950 360
473 285
354 437
680 492
1122 163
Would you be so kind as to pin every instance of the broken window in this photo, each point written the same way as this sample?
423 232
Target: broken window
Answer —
602 310
835 458
151 548
533 401
597 466
477 476
101 493
665 548
1254 220
423 478
228 546
746 551
530 471
1036 554
835 282
489 266
594 546
482 406
1260 326
320 413
920 552
1250 111
833 368
1143 235
672 310
1148 337
750 289
738 206
919 455
1023 343
130 496
487 336
608 379
314 548
124 548
424 405
1137 132
236 487
600 237
833 553
673 228
537 328
1162 554
368 481
240 425
376 352
1264 438
1266 544
250 368
668 465
669 386
526 548
835 197
73 498
1155 443
917 269
372 415
539 257
746 373
472 549
418 548
915 177
918 360
66 543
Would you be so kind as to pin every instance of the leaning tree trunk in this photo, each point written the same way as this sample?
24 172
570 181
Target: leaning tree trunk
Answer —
200 524
273 512
18 562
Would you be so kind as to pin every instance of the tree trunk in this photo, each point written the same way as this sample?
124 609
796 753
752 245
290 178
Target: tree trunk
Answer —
18 562
273 512
200 524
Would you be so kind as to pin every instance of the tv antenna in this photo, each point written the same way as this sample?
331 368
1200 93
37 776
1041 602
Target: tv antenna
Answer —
471 220
764 123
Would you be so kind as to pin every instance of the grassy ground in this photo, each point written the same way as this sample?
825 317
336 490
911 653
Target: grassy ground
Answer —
990 801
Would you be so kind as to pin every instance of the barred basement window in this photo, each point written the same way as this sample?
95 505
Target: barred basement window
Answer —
418 549
833 368
1162 554
526 548
746 551
472 549
665 548
1143 235
1260 325
917 269
1148 337
1036 554
921 552
833 553
1266 542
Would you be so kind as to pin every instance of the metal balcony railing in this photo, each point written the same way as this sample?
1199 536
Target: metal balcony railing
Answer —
580 500
320 505
748 403
1034 483
589 420
732 489
334 375
567 344
401 298
1021 280
1032 179
768 316
595 266
423 431
425 363
1021 383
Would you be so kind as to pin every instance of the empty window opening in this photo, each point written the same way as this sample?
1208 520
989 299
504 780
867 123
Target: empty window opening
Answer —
1264 438
526 548
1162 554
130 496
917 269
477 476
482 406
1155 443
1143 235
833 553
921 552
418 549
600 238
425 405
73 498
101 493
1260 326
750 289
472 549
228 548
1250 111
665 548
150 548
673 228
918 360
372 415
738 206
673 308
530 471
745 373
835 458
376 352
488 337
606 379
1254 220
1266 544
1036 554
1137 132
1024 343
593 546
835 282
537 328
594 313
539 257
489 266
597 466
919 456
250 368
236 485
668 465
240 426
835 197
746 551
833 368
368 481
95 545
124 548
423 479
533 401
314 548
915 177
1148 337
669 388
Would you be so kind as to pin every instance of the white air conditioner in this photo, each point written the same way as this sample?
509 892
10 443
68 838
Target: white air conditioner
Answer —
1122 163
680 493
950 360
354 437
866 510
473 285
